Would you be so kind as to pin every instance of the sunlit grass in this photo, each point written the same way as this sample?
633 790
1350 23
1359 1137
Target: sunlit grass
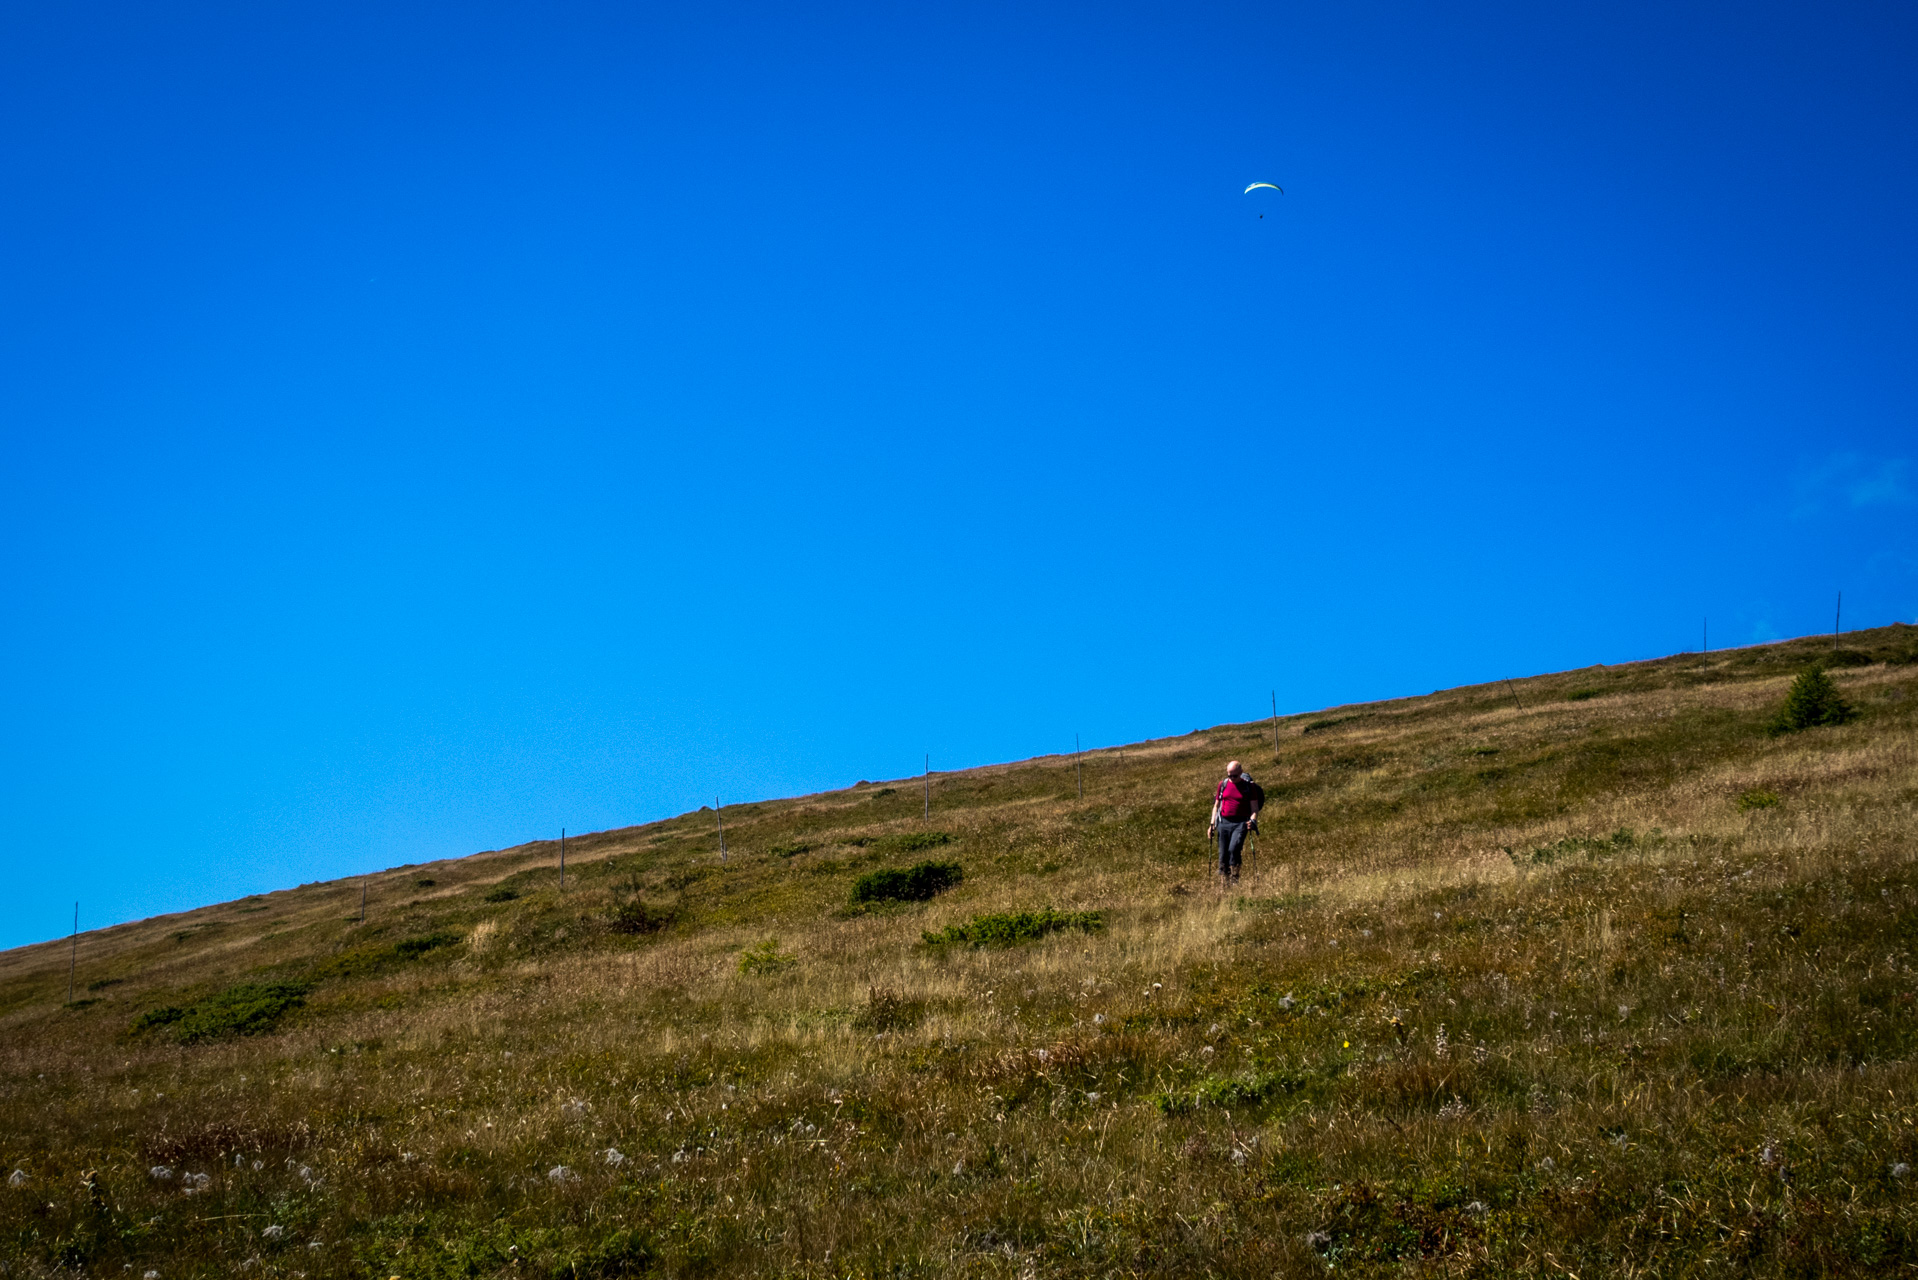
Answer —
1618 983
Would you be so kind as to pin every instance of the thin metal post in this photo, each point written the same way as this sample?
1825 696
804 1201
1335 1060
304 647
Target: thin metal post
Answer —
1705 641
1837 613
1514 692
722 829
362 899
1275 724
1078 762
928 814
73 955
562 859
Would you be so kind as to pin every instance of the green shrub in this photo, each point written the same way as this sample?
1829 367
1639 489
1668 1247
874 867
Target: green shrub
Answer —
915 884
791 849
766 957
248 1009
1583 695
1812 700
500 893
1756 799
1004 928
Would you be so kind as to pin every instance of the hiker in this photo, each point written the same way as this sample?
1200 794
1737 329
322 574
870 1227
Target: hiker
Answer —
1235 811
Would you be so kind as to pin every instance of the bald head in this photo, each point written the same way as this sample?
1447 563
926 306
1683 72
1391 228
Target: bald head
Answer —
1232 769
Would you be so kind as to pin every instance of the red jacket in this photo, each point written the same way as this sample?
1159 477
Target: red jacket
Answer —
1238 799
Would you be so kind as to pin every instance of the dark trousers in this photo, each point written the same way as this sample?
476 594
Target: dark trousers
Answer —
1231 842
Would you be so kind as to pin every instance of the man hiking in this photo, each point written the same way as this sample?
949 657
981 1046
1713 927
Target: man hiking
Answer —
1235 811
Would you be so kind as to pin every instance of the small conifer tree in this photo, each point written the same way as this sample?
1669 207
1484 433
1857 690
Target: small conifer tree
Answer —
1812 700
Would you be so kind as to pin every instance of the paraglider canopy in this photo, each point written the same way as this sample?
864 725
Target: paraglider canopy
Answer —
1255 186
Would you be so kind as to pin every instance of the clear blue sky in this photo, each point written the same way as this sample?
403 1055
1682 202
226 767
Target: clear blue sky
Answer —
431 426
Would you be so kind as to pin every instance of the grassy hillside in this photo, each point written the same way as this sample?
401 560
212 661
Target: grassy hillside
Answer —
1588 975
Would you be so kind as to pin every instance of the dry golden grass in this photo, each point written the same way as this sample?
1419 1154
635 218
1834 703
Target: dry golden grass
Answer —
1512 991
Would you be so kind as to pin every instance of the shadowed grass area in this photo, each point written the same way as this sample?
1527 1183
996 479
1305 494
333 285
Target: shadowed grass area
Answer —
1590 976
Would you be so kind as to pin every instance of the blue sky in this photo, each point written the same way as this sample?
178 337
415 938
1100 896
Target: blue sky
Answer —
431 426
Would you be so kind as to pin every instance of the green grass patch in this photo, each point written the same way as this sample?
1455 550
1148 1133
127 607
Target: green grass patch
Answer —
1005 928
1237 1091
1757 799
790 849
913 884
411 948
913 841
500 893
248 1009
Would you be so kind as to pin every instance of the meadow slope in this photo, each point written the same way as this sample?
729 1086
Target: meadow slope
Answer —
1589 975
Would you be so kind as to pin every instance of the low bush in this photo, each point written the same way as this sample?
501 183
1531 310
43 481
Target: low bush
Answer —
635 916
248 1009
913 841
409 948
1811 701
1583 695
792 849
1756 799
766 958
915 884
500 893
886 1010
1004 928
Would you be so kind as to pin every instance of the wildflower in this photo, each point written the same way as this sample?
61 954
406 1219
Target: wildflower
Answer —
151 1275
1041 1055
1319 1241
1624 1012
679 1156
1768 1156
273 1232
560 1173
1286 1001
1365 933
613 1155
314 1244
19 1178
1898 1170
258 1165
1207 1050
160 1173
1092 1097
1440 1044
1547 1165
1098 1019
575 1108
1213 1030
1454 1109
1477 1207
